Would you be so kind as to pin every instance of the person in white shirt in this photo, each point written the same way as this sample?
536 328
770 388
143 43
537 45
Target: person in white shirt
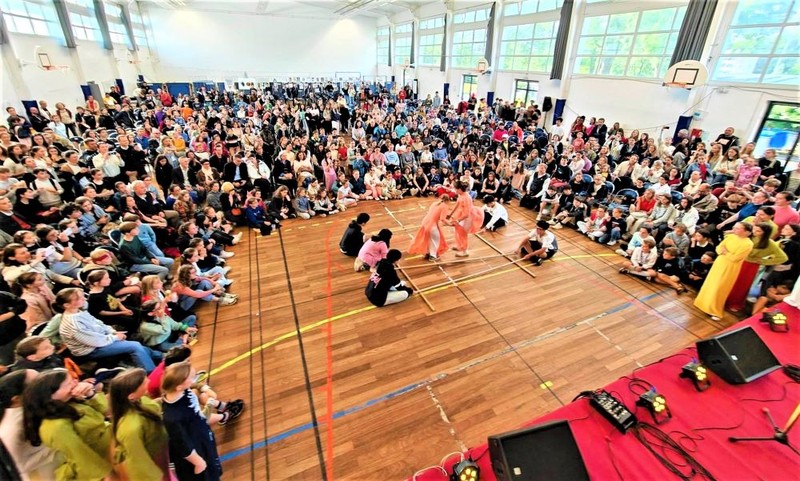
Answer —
662 188
558 129
643 259
495 215
539 244
108 162
48 189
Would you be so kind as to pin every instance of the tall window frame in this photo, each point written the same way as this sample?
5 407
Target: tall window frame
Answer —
138 26
469 85
83 18
383 36
431 39
780 130
760 44
528 38
526 91
627 39
470 31
116 25
402 43
32 17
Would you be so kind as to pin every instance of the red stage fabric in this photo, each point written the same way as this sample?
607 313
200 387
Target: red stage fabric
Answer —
723 405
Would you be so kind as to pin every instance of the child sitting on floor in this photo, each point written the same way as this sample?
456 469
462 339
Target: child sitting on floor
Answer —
159 331
302 205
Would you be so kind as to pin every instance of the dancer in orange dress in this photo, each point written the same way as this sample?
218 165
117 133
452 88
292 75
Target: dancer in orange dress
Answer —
430 236
466 218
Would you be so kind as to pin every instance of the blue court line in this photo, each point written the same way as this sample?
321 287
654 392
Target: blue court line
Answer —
403 390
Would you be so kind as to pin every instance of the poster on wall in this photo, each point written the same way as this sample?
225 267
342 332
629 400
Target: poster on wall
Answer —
244 83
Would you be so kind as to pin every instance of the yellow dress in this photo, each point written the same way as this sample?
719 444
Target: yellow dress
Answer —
723 274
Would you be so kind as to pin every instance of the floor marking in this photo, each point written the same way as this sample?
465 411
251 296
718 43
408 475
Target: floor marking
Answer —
546 385
438 377
461 445
303 330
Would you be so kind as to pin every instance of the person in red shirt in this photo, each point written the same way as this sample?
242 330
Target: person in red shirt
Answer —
165 97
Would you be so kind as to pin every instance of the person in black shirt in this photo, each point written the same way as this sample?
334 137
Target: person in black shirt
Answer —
697 273
384 286
353 238
667 269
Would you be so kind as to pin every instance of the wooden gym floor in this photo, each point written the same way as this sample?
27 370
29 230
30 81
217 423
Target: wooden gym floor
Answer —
337 389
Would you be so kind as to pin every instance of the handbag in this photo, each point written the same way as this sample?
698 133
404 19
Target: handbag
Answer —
236 211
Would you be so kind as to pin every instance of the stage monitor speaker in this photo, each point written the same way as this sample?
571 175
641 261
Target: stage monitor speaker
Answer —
737 356
547 452
547 104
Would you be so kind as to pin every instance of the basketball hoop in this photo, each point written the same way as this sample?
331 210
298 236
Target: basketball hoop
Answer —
482 66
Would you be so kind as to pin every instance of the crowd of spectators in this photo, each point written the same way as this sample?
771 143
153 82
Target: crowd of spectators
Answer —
115 218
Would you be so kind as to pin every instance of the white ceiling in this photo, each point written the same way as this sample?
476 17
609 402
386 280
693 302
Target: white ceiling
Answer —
301 8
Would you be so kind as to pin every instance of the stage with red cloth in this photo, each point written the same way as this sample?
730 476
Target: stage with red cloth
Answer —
701 421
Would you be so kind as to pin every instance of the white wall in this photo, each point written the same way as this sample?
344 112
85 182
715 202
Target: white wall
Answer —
193 45
89 61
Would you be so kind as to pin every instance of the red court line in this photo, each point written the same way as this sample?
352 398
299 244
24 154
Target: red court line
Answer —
329 358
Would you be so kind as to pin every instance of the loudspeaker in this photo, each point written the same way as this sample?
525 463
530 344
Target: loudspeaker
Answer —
547 104
546 452
737 356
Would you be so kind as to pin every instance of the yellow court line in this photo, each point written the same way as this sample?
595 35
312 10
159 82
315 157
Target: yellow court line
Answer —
291 334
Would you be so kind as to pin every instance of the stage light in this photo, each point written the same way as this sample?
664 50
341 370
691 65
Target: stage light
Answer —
777 320
656 404
466 470
698 374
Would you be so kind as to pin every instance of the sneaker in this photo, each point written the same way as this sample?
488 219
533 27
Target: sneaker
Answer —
551 222
227 300
200 377
462 254
237 238
225 270
558 225
623 271
538 261
104 374
226 254
621 252
235 296
611 243
582 227
233 410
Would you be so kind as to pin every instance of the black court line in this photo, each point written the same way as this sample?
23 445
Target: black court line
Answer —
620 287
250 321
299 335
263 365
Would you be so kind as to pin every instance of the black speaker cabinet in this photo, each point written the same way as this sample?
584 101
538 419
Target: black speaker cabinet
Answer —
546 452
737 356
547 104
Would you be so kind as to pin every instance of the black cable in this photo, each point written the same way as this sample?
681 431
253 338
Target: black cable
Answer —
667 445
306 375
783 396
263 364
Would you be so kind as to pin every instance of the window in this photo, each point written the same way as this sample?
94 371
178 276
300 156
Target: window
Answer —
431 23
430 41
404 28
402 44
32 17
383 46
116 26
526 91
528 47
762 44
469 85
633 44
430 49
779 130
84 20
531 6
469 46
472 16
138 26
